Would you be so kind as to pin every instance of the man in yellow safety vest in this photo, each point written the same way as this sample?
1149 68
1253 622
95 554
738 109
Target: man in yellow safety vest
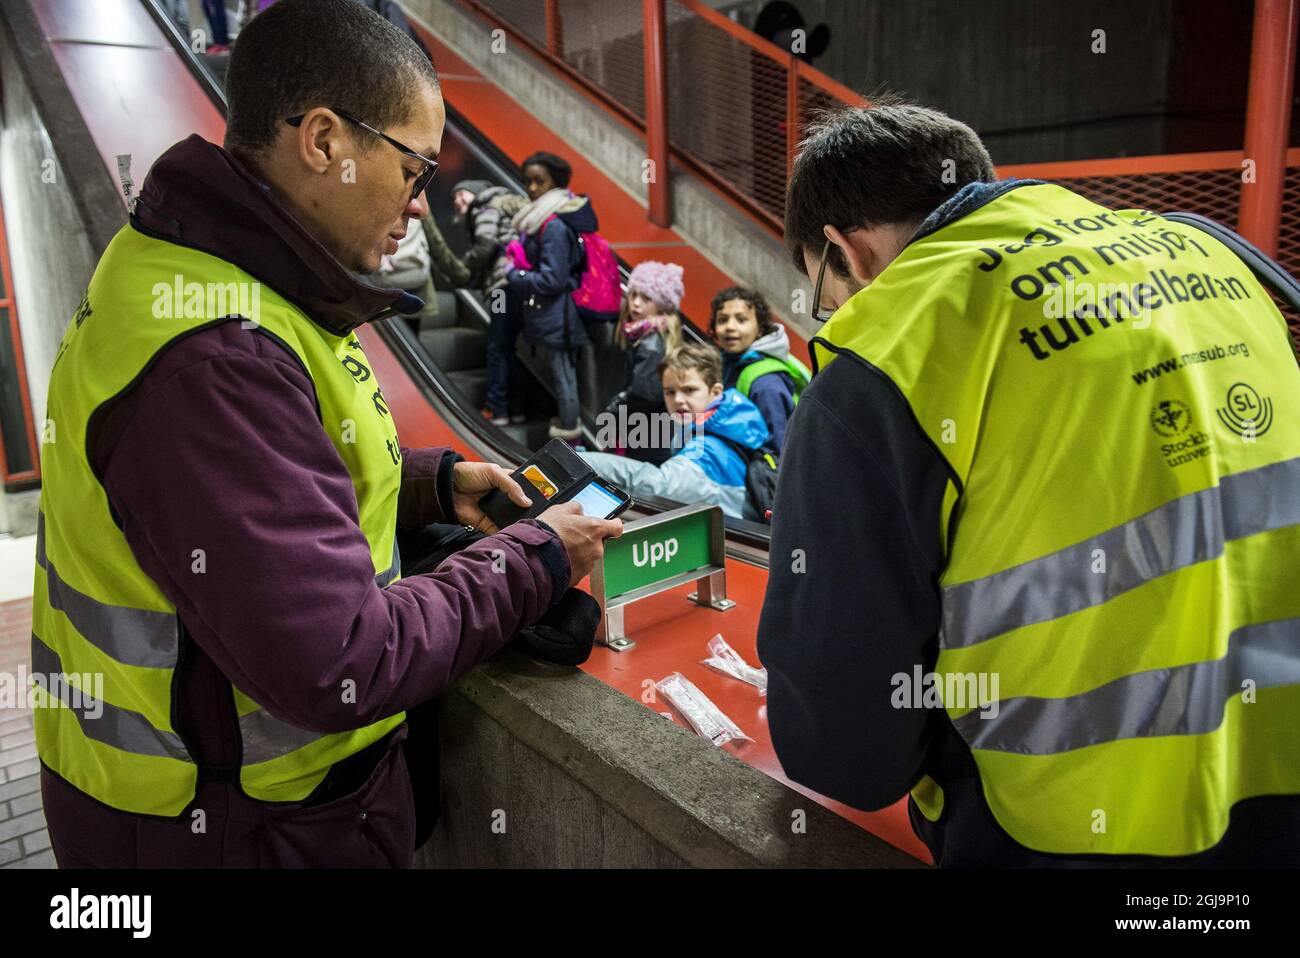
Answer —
1047 474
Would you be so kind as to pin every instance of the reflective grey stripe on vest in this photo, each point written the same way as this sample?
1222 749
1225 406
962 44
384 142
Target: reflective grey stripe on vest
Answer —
266 737
1182 532
393 571
121 728
140 637
1185 700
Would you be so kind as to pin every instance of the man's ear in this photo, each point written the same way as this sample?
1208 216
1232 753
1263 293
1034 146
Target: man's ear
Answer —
319 140
716 391
859 248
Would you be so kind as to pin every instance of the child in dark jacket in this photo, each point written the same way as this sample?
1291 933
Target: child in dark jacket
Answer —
549 227
756 358
648 329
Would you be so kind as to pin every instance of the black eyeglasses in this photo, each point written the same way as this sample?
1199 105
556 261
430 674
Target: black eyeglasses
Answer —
816 312
427 169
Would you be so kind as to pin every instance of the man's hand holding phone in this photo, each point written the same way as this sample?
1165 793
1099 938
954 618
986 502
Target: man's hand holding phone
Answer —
583 536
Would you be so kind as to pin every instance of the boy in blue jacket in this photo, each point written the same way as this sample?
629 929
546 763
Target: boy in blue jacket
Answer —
706 467
756 358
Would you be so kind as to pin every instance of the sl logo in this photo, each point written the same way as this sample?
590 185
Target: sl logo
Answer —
1245 412
1171 417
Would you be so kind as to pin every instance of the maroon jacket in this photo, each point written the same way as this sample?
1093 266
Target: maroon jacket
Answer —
219 447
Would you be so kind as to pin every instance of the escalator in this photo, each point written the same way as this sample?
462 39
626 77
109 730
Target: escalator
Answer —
445 356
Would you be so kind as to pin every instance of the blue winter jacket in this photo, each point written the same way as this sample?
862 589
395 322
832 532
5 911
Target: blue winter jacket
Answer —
705 469
550 316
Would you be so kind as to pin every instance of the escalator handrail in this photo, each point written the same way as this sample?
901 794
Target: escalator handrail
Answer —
216 93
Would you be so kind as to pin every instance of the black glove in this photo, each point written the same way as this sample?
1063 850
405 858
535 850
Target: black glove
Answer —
566 633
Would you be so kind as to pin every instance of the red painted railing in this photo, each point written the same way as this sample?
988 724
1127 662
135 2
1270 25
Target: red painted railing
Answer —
731 106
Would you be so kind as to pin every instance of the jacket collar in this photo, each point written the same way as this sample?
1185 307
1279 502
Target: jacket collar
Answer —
200 196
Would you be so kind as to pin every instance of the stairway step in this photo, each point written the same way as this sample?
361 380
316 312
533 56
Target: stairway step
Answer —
472 384
455 348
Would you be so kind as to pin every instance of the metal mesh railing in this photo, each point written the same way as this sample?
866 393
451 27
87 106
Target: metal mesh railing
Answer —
727 107
528 17
731 99
1212 193
1288 243
605 43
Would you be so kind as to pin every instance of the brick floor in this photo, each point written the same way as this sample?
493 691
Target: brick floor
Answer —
24 842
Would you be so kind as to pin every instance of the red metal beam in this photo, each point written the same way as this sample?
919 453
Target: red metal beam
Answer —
656 112
1268 120
554 30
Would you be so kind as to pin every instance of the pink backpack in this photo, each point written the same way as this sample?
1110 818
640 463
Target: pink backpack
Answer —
598 296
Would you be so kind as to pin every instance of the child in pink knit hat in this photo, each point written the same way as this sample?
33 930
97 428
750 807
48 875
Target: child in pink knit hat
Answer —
648 328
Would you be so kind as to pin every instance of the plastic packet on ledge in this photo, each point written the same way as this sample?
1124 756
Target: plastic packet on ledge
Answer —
723 658
705 717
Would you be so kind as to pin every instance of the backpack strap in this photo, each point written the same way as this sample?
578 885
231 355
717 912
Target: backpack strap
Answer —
746 454
770 364
580 266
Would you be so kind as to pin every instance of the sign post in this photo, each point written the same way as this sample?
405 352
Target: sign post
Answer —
658 553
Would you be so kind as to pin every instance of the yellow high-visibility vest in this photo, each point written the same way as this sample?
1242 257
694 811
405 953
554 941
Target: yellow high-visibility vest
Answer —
94 610
1117 401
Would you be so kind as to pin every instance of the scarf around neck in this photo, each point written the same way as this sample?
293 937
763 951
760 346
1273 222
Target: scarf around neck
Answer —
529 220
635 329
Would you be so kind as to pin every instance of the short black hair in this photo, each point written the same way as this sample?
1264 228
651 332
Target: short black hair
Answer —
559 168
300 54
752 298
891 163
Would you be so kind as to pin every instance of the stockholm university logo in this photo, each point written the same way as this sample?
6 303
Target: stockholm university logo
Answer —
1171 417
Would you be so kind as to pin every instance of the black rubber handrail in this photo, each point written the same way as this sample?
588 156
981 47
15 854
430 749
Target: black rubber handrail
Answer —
211 86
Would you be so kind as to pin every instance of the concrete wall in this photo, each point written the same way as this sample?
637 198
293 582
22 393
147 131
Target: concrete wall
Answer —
736 244
573 773
60 205
1023 72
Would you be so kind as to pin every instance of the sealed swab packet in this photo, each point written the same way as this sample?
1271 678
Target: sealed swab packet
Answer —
705 717
723 658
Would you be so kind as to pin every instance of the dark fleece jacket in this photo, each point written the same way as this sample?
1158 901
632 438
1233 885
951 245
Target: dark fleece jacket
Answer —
549 313
219 445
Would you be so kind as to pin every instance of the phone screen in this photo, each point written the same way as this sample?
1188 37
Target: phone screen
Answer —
597 501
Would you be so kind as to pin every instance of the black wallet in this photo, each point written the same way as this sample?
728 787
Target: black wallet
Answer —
554 474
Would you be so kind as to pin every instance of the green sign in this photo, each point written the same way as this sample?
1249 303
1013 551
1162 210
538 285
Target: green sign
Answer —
642 557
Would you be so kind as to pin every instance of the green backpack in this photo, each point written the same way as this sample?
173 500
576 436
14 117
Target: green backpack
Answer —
770 364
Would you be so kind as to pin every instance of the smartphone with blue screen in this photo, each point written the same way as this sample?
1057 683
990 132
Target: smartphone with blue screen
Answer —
602 500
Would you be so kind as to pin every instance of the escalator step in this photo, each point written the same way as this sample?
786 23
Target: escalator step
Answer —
448 304
531 434
455 348
472 384
444 319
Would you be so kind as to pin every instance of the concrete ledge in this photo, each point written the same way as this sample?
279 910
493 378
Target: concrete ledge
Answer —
717 229
578 774
98 203
21 508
